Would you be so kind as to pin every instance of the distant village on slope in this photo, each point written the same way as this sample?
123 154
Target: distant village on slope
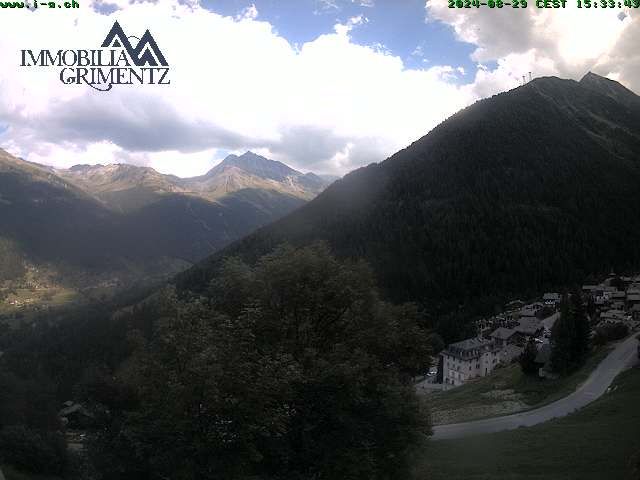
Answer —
501 339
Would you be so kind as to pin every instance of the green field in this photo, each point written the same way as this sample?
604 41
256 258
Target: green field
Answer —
22 304
505 391
600 442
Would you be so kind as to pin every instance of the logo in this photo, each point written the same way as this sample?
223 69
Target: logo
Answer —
118 61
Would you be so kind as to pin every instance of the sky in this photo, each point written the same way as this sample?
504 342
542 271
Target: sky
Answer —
322 85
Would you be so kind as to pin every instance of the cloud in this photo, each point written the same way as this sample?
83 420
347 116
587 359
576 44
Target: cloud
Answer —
135 122
566 42
623 59
248 13
310 145
236 84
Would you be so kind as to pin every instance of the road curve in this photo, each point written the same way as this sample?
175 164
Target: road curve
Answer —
622 357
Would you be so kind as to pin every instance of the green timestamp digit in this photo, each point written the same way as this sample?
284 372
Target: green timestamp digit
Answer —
607 3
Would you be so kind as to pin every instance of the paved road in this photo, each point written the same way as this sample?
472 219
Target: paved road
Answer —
623 356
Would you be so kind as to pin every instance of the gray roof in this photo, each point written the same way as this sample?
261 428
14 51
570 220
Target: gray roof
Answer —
503 333
470 348
471 343
528 326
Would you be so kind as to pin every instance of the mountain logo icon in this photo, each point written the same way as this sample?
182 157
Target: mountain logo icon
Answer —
146 52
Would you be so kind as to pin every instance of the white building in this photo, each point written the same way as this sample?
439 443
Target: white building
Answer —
474 357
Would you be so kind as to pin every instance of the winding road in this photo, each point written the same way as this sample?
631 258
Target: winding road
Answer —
623 356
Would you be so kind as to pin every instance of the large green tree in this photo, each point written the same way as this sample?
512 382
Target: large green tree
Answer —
570 335
527 359
290 368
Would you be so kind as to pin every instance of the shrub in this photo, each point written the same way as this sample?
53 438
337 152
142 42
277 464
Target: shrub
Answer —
32 450
610 332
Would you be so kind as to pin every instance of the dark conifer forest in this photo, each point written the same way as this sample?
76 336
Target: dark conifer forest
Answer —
531 189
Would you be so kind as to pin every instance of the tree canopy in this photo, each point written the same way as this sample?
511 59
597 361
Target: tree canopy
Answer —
288 368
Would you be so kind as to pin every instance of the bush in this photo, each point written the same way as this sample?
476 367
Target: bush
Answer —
610 333
32 450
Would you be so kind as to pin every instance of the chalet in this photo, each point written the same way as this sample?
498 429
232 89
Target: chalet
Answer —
552 299
503 336
514 306
602 298
528 327
75 415
510 353
474 357
633 299
618 305
613 316
533 310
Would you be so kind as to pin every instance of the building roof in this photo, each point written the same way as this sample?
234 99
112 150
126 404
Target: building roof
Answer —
551 296
469 348
528 326
471 343
503 333
514 305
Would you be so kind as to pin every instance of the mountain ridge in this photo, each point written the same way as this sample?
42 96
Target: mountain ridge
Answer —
116 184
119 219
525 190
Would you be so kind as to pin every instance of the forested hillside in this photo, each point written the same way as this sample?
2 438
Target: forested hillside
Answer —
124 223
531 188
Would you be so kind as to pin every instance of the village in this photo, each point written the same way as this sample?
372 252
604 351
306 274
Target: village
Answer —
612 305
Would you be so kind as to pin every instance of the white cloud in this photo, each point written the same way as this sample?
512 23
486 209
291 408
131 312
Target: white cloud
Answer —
328 104
235 84
566 42
248 13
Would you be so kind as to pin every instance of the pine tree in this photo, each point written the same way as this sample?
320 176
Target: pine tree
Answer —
527 359
582 329
562 339
570 336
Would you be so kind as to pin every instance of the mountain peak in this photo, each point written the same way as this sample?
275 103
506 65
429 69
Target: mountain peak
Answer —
590 76
256 165
608 87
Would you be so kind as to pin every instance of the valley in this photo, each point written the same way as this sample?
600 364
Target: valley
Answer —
88 232
260 322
